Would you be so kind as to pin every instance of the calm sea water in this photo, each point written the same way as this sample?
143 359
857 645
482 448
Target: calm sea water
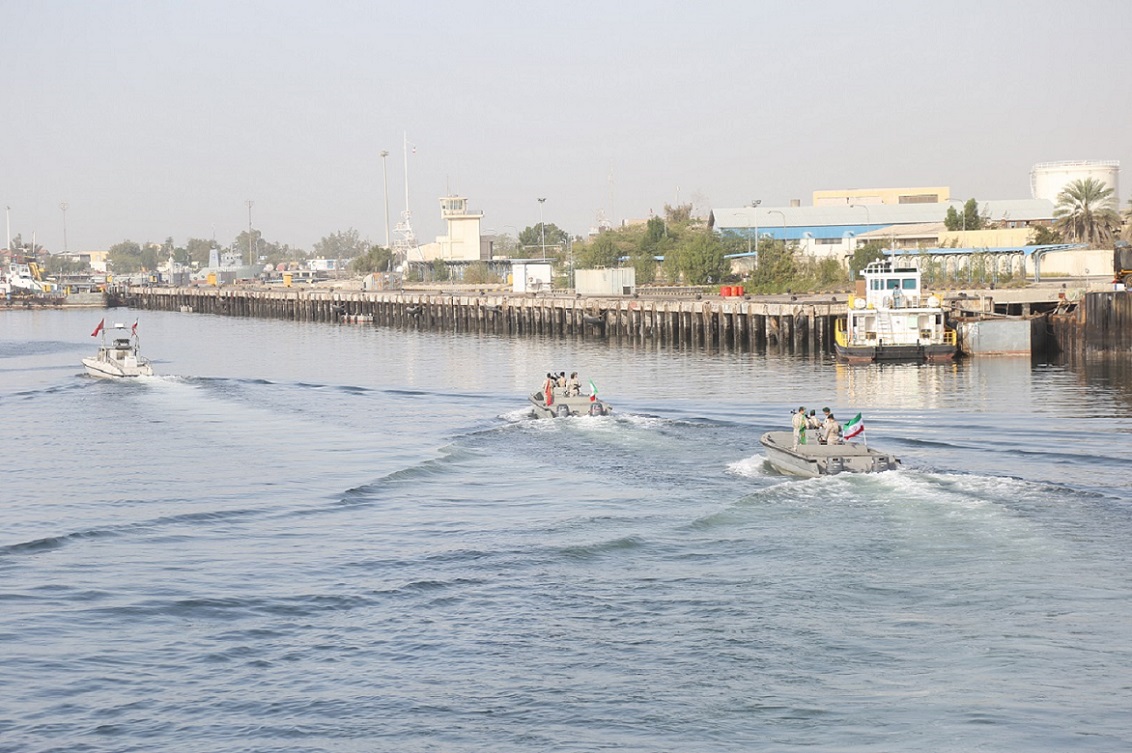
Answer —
309 537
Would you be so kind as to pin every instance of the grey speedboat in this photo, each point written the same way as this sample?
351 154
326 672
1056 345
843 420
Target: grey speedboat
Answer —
562 406
811 460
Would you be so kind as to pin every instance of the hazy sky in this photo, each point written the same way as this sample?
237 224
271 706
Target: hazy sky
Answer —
154 119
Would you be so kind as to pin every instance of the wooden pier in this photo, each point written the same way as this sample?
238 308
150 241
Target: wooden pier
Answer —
791 326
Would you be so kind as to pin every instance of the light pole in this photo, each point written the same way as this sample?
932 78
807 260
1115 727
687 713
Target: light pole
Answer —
8 227
779 211
868 215
385 179
251 254
542 226
754 205
868 224
64 205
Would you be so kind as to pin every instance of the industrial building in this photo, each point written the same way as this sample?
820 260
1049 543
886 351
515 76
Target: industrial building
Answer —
836 231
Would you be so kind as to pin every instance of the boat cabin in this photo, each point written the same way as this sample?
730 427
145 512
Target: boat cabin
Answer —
887 287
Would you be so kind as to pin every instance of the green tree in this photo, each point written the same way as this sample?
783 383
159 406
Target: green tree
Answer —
506 246
531 239
654 234
972 220
64 264
345 244
1042 235
125 258
951 220
863 255
702 260
440 271
776 270
644 267
27 249
249 245
968 219
479 273
198 250
1086 211
681 213
602 251
376 259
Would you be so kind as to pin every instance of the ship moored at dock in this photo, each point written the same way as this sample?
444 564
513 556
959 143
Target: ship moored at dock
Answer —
894 320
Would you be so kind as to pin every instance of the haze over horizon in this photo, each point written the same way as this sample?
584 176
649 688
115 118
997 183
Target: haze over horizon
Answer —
158 119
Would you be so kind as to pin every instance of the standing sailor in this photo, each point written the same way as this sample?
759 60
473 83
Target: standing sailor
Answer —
799 423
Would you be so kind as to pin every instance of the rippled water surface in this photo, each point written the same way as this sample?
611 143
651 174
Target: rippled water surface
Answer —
309 537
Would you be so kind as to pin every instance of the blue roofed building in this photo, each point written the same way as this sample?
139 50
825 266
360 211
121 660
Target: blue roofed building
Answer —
836 231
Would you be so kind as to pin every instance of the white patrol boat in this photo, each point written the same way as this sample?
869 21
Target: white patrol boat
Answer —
893 320
120 359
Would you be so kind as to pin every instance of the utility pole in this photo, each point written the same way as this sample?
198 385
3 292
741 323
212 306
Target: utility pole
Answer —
385 180
542 226
64 206
251 257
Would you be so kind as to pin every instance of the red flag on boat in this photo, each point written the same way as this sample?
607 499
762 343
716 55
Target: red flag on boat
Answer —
134 329
98 328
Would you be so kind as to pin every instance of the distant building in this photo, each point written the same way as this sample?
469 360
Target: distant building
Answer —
463 242
843 197
836 231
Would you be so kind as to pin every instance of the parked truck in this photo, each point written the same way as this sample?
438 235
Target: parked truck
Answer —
1122 263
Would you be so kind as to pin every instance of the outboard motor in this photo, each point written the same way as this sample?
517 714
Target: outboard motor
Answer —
835 465
562 411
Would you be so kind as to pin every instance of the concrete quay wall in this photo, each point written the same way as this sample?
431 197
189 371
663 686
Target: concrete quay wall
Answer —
796 326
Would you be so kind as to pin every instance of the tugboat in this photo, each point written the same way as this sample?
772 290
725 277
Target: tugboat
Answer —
120 359
894 320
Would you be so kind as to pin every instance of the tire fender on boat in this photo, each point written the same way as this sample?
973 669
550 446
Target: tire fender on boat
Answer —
562 411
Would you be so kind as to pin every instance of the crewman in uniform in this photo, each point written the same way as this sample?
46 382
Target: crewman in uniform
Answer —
799 423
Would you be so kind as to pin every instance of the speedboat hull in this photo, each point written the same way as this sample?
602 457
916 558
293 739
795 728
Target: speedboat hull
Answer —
563 407
813 460
113 369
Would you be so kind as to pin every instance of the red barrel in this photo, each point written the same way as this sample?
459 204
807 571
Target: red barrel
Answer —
737 290
725 290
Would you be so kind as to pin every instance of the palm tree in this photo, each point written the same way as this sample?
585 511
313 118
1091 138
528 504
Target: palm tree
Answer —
1086 211
1127 216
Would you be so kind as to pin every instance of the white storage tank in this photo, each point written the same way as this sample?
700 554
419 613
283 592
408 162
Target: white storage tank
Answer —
1047 179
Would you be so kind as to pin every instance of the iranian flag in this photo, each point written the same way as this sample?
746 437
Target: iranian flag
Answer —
593 391
853 427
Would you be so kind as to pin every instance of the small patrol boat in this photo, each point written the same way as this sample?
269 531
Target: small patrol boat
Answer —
554 403
813 460
120 359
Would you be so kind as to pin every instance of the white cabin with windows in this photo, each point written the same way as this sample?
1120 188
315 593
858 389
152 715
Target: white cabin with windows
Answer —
888 288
